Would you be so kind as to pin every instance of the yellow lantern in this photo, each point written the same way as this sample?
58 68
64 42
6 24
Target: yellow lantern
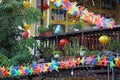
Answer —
26 4
104 39
26 26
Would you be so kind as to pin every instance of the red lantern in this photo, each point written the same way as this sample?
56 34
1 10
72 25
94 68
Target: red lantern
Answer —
45 6
63 42
25 34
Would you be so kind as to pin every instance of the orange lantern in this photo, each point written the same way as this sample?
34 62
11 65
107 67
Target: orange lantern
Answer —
104 39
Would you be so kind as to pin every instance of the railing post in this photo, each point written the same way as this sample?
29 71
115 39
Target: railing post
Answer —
108 72
82 38
113 74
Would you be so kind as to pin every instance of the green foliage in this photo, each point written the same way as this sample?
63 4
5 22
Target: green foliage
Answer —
45 52
113 46
20 59
19 53
77 26
72 49
3 60
12 15
57 52
96 52
51 28
82 48
42 29
32 15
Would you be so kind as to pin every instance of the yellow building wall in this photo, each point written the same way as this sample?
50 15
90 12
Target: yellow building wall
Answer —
32 29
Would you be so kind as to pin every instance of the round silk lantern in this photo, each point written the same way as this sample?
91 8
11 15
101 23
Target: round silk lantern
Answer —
25 34
63 42
45 6
104 39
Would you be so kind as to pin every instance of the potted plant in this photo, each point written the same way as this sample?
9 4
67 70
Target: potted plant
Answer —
57 53
77 26
83 50
51 28
42 30
95 52
47 32
45 52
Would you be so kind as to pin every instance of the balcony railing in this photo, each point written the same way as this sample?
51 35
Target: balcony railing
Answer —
87 38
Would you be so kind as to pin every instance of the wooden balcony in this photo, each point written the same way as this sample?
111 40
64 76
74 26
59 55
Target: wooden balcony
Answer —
87 38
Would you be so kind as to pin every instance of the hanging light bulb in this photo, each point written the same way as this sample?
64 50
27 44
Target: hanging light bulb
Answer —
0 1
72 73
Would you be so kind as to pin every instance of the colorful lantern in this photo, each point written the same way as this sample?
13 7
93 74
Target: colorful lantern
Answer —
104 39
25 34
63 42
